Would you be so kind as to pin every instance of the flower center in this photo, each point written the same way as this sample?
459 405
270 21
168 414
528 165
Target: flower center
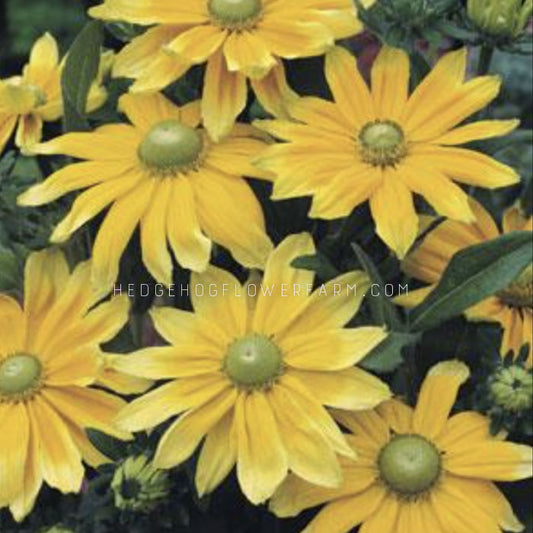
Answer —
171 147
253 362
235 14
382 143
409 465
520 292
512 388
20 375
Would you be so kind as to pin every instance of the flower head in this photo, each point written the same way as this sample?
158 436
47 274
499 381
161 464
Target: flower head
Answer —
239 40
512 307
417 469
50 358
35 97
252 370
164 173
385 146
138 486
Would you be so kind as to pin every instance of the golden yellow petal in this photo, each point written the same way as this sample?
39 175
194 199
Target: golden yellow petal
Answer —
146 110
483 129
397 415
224 97
197 44
437 397
245 52
12 326
29 132
7 126
44 59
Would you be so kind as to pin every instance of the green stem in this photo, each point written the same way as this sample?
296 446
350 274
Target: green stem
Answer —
485 59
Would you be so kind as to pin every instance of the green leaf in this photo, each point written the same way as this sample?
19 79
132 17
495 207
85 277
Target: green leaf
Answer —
383 310
318 263
80 71
10 272
109 446
387 357
473 275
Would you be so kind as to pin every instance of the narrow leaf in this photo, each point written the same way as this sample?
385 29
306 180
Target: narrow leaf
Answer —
387 357
318 263
473 275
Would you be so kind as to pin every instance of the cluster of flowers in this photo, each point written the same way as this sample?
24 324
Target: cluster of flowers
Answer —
262 383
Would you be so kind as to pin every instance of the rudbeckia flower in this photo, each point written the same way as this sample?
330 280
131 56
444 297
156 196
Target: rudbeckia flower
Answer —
512 307
164 173
239 39
385 146
50 358
35 97
253 374
418 470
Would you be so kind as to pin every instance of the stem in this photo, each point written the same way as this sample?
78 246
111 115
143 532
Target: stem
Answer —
485 59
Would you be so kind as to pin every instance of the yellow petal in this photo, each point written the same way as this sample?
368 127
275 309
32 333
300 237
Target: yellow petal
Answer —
218 456
390 83
155 254
351 389
197 44
443 195
273 91
78 366
398 416
245 52
385 517
484 129
464 428
349 89
231 215
289 38
333 349
515 220
169 400
71 178
310 455
91 202
13 449
394 214
346 513
260 468
191 247
224 97
437 397
44 59
494 460
60 458
184 436
29 132
331 306
7 125
12 326
115 233
468 166
145 110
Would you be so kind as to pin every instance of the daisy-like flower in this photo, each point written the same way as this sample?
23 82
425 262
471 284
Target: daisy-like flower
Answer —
50 358
512 307
252 375
164 173
239 39
35 97
385 146
418 471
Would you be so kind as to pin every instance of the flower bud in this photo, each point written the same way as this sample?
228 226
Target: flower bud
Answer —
138 486
512 388
504 19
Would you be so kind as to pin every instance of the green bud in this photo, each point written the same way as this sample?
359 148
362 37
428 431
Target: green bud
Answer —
512 388
138 486
505 19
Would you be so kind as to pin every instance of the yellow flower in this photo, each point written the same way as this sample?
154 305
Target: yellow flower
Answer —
35 96
252 375
164 173
512 307
239 40
417 471
384 146
49 358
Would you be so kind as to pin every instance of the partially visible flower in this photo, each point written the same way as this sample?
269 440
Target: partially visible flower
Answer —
512 307
50 359
501 18
385 147
164 173
239 39
35 97
58 529
418 471
252 370
139 486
